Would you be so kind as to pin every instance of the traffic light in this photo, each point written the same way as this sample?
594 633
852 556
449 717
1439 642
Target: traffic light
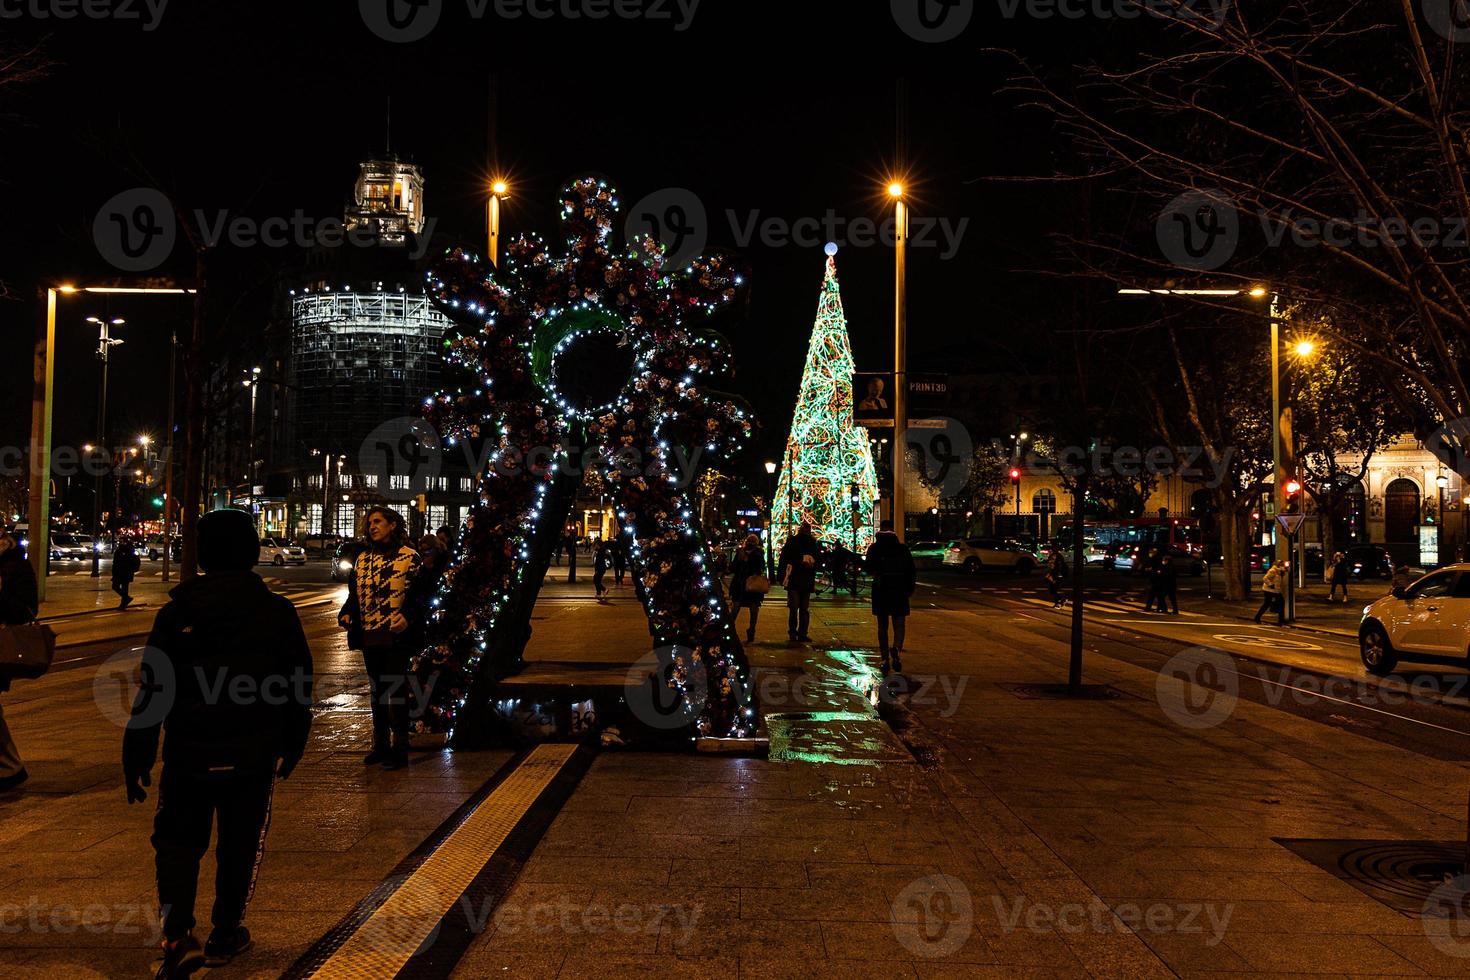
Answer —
1016 475
157 501
1293 495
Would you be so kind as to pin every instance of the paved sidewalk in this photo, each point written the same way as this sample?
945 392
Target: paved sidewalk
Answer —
1134 836
1052 838
76 868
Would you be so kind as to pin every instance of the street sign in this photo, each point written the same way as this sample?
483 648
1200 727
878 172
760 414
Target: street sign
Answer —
1290 523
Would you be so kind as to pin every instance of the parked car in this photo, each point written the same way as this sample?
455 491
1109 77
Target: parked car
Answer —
1369 561
153 549
343 559
927 553
1427 621
70 547
973 554
280 553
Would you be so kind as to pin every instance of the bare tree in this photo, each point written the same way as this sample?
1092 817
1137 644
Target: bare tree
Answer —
1323 142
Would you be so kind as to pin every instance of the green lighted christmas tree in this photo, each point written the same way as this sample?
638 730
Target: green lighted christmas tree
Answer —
826 455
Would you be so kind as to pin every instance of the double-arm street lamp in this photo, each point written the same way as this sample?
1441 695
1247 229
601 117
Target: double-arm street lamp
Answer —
105 343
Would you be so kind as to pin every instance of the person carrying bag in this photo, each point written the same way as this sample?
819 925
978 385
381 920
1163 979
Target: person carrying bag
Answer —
26 647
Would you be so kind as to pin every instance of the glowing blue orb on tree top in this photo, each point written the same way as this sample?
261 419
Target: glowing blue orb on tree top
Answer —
831 248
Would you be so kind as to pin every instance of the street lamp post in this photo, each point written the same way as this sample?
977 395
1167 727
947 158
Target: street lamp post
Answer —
900 350
1465 527
492 219
168 459
1441 482
38 510
105 343
252 381
1278 498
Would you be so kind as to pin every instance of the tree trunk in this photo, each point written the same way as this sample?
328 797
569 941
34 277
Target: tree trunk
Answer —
1327 519
1234 549
193 432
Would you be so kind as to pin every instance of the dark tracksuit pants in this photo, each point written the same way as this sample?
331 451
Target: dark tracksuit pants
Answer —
189 803
798 611
387 670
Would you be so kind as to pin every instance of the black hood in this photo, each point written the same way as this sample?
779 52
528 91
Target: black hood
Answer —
220 594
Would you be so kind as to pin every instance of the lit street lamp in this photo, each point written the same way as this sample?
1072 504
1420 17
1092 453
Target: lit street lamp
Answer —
498 190
1304 348
900 349
1441 482
43 384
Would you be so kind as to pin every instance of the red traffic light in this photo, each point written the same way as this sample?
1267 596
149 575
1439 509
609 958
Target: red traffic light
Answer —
1293 488
1015 475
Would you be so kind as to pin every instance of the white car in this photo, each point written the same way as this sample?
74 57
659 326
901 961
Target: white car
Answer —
281 553
70 546
1429 621
973 554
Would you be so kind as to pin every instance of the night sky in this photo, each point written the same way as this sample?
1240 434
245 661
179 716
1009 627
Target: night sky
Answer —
783 109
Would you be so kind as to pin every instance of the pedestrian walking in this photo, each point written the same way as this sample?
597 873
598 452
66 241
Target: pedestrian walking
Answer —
1056 574
378 618
1149 567
1167 585
18 605
748 583
601 560
1273 593
1340 571
224 631
890 566
125 565
798 573
1402 578
619 560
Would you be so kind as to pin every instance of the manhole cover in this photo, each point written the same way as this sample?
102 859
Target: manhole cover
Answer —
1399 874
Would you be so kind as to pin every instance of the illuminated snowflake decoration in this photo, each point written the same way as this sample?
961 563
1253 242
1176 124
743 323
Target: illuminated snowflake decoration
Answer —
604 356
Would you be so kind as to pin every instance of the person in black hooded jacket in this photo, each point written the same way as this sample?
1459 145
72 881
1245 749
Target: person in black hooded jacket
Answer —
18 605
891 565
227 676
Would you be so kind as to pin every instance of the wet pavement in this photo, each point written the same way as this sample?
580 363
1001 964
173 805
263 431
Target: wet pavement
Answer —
1135 836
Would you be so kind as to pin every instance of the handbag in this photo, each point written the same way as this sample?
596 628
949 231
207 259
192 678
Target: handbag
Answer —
26 651
758 584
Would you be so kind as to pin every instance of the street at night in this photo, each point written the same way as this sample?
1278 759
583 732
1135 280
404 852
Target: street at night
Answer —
601 488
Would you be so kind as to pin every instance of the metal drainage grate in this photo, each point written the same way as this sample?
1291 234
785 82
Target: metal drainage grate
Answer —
1402 875
1062 692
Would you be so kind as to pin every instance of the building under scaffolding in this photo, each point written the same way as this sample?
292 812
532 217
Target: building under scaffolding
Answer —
359 359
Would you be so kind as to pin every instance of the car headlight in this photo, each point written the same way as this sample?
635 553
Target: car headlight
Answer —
344 566
1366 610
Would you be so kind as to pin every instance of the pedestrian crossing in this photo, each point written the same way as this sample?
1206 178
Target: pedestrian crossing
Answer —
1106 606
